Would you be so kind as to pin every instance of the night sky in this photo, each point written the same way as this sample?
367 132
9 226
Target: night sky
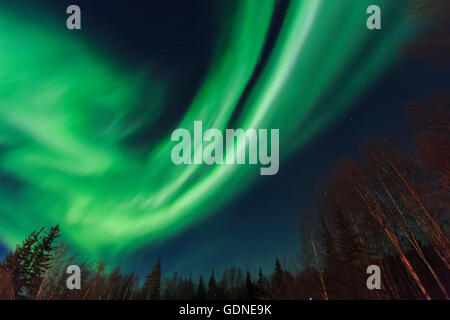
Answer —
86 116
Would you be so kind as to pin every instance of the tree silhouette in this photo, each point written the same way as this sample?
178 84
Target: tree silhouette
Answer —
250 290
152 286
201 291
28 264
212 287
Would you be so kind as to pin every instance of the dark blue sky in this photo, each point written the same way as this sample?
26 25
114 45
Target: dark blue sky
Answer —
263 223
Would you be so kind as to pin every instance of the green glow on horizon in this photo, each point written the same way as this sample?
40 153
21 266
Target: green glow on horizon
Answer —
66 110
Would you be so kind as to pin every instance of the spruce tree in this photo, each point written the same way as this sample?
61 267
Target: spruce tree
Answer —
212 287
278 274
29 262
261 287
249 287
277 281
152 286
201 291
42 259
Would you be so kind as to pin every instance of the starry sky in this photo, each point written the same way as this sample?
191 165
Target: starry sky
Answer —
86 118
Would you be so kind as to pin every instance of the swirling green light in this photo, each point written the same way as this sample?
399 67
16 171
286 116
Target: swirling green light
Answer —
66 110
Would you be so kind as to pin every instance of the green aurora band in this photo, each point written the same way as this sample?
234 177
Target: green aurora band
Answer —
66 109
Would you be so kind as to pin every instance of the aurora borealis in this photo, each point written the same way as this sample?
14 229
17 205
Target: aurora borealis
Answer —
69 109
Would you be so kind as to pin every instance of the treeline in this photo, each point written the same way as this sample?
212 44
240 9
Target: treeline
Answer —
390 209
36 269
